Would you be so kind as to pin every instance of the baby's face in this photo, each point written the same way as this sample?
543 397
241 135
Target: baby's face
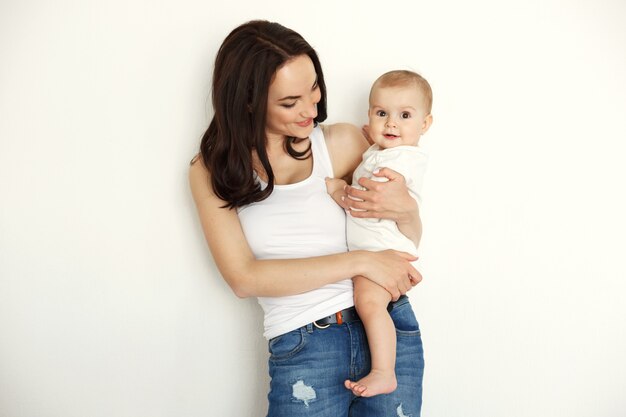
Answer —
396 116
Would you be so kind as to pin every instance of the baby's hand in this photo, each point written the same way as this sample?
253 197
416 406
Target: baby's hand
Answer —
336 189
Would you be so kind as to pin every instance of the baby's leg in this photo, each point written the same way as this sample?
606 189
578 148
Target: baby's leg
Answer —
371 302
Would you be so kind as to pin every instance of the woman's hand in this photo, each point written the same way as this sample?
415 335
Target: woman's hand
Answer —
387 198
391 270
383 200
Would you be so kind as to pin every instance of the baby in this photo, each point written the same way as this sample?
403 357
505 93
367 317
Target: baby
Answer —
399 114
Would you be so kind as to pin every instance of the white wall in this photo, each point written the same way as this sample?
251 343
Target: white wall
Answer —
110 304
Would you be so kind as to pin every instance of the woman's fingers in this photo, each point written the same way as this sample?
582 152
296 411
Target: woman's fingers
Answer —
393 271
405 276
416 278
365 204
380 200
390 174
408 257
413 276
395 294
356 194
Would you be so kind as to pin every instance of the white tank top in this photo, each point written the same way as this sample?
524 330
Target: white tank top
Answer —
299 221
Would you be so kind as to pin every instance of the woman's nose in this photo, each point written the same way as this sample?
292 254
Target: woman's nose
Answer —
310 110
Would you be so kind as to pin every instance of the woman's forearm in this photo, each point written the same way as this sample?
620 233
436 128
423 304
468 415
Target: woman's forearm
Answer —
390 269
411 227
283 277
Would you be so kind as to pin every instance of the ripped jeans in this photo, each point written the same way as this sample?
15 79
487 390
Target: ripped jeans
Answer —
308 367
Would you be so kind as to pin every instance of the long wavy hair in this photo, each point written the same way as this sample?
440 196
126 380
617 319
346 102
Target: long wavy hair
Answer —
244 68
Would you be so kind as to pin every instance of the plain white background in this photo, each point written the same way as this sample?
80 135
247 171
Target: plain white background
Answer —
110 304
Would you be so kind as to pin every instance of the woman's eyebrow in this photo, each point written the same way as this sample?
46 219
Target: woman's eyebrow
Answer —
289 98
297 97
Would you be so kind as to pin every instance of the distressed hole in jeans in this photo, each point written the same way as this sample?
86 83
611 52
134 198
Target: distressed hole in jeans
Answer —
400 412
303 392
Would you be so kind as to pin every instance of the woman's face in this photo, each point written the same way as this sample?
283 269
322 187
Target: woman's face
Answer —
292 100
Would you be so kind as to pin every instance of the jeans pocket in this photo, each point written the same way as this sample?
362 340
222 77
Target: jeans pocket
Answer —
286 345
404 320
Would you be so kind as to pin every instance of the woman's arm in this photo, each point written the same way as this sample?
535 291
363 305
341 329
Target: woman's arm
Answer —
248 276
346 144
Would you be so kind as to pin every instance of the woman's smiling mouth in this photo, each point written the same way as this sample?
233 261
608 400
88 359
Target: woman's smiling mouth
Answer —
305 123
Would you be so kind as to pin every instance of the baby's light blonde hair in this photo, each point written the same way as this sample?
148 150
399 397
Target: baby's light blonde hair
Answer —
401 78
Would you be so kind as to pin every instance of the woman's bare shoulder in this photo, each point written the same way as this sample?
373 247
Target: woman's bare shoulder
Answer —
346 144
342 130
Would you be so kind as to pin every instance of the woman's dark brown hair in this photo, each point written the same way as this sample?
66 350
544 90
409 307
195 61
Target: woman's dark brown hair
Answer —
244 68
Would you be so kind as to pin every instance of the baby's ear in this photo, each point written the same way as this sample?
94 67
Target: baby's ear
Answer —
428 120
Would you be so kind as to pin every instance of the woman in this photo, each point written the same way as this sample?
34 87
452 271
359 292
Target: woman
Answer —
275 234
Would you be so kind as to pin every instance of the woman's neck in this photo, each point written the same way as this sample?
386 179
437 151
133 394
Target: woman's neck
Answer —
286 168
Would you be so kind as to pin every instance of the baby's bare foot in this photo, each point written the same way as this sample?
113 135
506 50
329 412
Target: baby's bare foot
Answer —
375 383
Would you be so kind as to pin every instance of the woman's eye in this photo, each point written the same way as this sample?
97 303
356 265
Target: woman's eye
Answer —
381 113
405 115
288 106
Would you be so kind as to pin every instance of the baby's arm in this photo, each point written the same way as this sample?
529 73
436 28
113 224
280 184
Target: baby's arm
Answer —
335 188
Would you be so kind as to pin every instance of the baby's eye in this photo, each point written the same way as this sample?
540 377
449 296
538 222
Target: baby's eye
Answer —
381 113
405 115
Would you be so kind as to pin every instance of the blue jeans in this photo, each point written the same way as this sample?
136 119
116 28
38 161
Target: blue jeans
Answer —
308 367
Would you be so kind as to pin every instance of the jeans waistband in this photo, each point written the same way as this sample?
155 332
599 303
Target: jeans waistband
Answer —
349 315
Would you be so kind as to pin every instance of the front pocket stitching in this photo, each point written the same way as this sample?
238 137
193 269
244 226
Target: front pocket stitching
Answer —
292 352
408 333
